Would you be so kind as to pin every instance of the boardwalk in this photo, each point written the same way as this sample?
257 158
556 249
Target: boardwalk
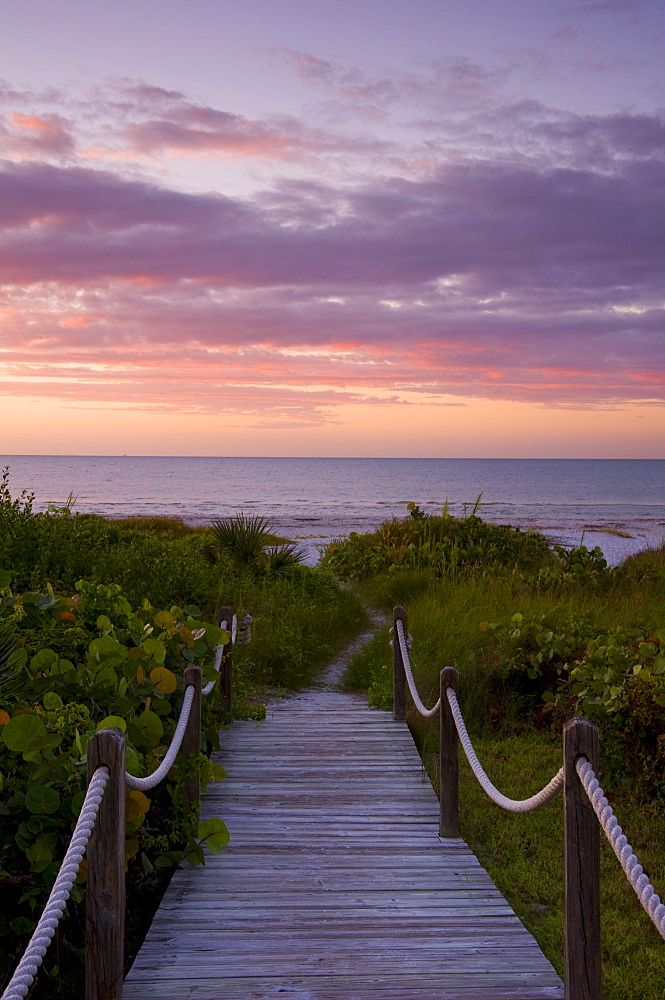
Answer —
336 885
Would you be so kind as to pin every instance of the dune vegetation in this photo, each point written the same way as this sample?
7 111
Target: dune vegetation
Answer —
98 620
538 634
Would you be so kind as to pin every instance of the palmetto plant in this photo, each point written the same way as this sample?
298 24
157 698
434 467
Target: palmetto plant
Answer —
243 538
249 540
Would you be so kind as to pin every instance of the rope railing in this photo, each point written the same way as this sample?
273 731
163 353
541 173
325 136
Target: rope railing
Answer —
25 972
154 779
628 860
222 654
100 830
546 794
585 809
403 641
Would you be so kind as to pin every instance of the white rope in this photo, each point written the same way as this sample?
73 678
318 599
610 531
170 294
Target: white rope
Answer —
33 956
404 648
144 784
512 805
219 652
634 872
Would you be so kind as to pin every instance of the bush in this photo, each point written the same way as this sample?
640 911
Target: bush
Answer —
446 545
80 664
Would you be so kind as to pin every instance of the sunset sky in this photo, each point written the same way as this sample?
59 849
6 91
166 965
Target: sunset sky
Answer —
324 227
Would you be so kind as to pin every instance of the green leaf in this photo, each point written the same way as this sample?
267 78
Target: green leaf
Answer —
104 623
132 764
38 744
150 725
168 859
112 720
77 802
107 676
164 620
161 706
52 701
39 854
213 833
155 649
22 926
107 650
5 578
42 799
44 660
20 730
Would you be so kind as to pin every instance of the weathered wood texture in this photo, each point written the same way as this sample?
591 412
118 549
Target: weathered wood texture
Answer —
105 899
448 763
582 946
336 885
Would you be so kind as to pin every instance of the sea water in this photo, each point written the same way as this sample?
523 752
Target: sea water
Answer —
618 504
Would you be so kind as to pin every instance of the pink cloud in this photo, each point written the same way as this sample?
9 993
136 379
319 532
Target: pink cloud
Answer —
31 136
481 275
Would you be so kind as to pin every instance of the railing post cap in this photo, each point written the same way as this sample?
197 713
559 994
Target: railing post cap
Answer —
580 723
114 732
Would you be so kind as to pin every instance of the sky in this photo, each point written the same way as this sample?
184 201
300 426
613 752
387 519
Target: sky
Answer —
304 227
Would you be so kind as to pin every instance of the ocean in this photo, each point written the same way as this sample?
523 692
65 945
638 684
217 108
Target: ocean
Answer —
618 504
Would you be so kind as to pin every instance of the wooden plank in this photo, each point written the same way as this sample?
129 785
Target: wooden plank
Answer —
335 885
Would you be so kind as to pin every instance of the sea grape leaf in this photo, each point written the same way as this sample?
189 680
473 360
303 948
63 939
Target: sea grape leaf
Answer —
164 680
132 765
107 676
39 855
42 799
36 746
150 726
112 720
107 650
52 701
20 730
155 649
164 620
137 804
44 660
214 834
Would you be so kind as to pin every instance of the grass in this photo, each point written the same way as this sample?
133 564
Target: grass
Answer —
524 853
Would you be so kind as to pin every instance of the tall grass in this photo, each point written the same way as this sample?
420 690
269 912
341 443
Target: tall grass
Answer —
520 747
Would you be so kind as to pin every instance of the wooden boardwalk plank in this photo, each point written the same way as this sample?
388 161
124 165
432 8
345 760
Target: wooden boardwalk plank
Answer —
336 885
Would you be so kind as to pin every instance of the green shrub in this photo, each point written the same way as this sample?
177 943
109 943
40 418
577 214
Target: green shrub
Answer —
447 545
106 664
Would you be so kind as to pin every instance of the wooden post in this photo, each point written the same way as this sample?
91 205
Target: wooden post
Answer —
191 744
581 868
399 677
448 769
225 674
105 891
